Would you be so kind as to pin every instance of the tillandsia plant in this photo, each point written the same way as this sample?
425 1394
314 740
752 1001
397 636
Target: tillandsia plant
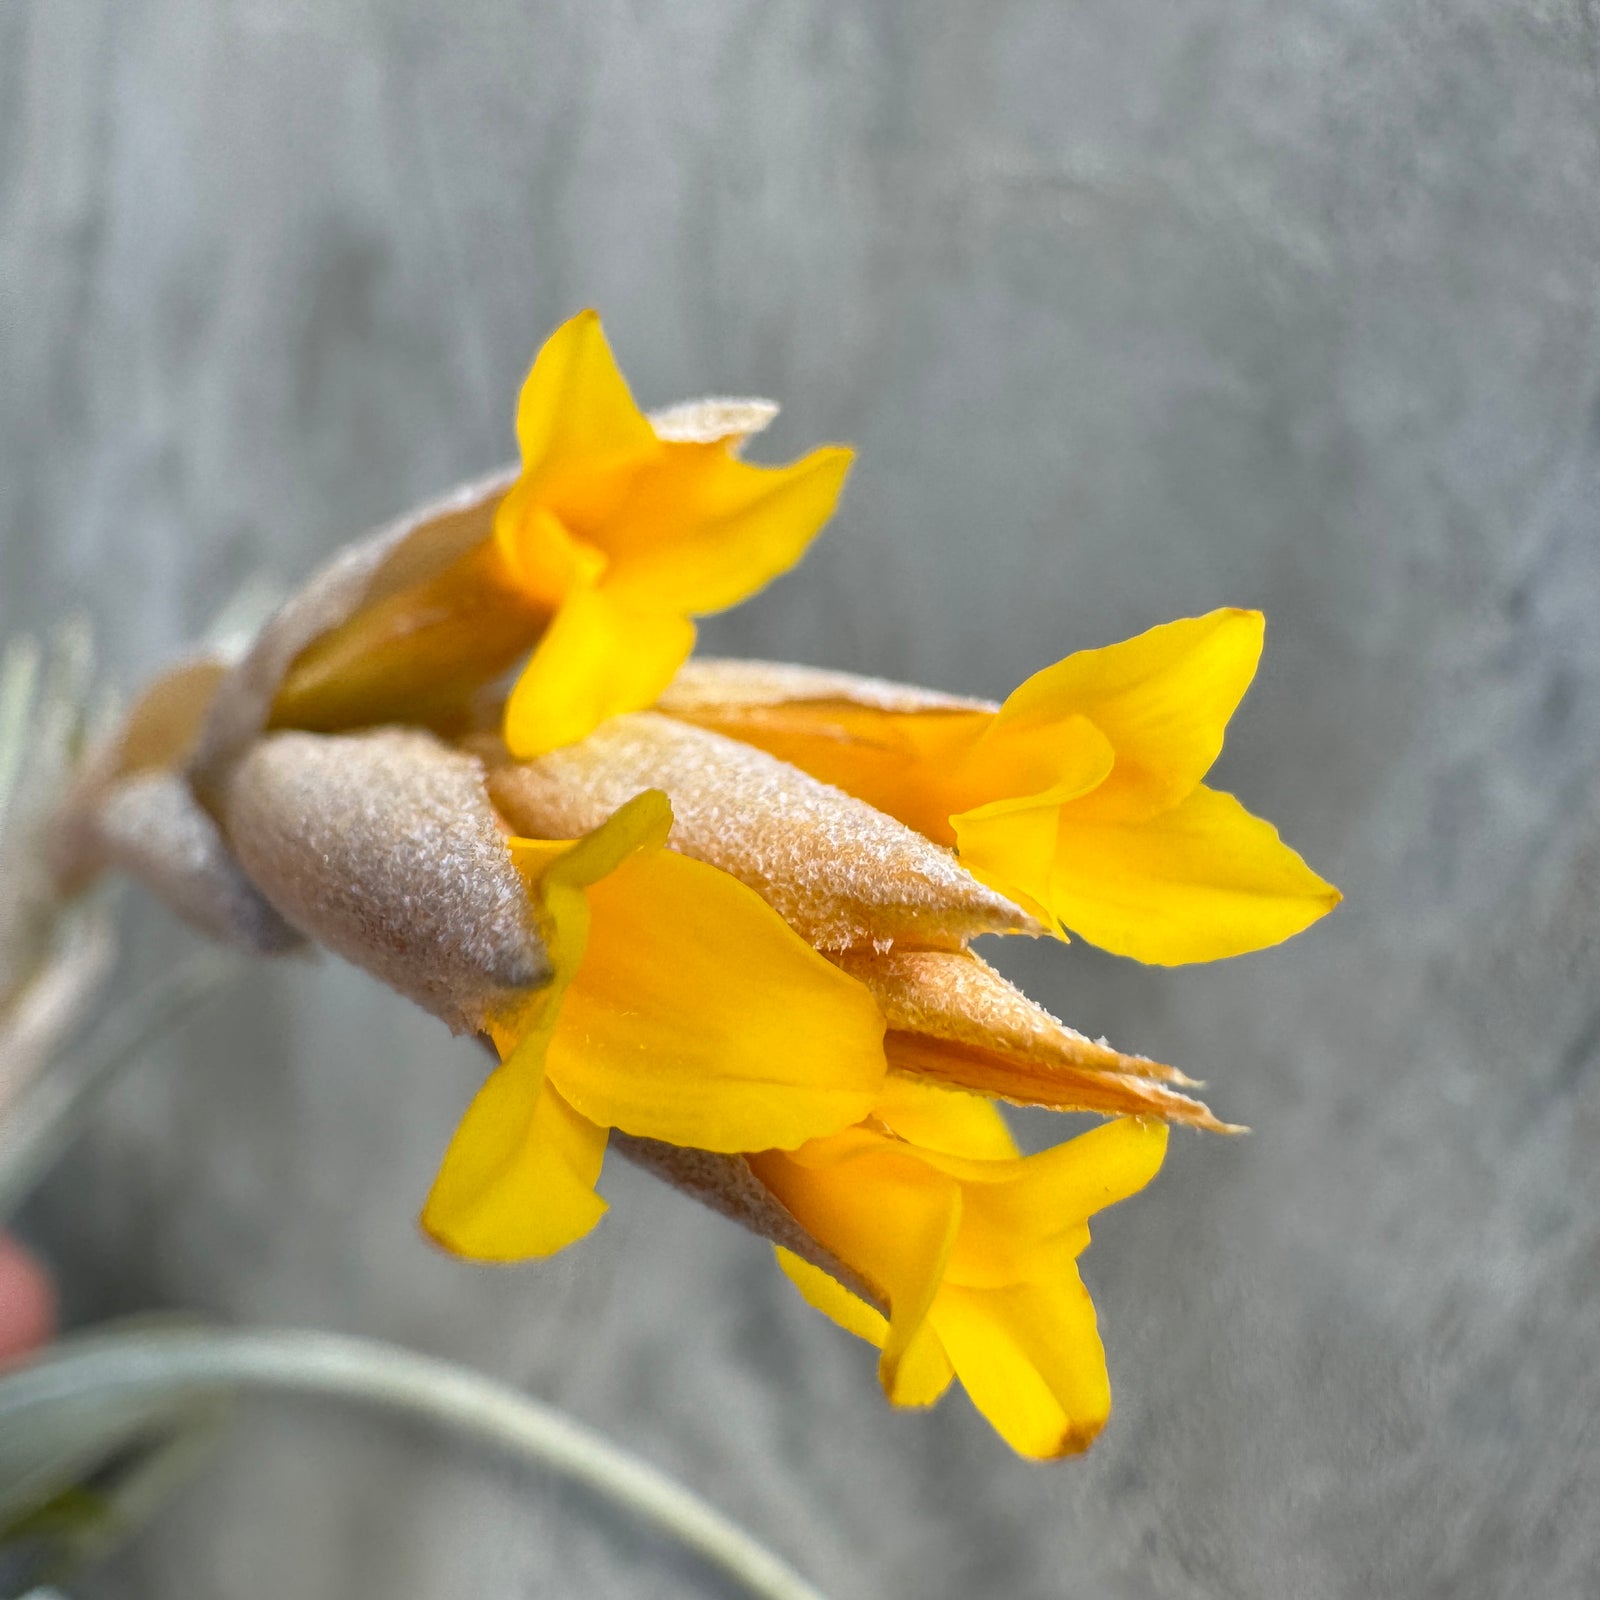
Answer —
52 956
716 914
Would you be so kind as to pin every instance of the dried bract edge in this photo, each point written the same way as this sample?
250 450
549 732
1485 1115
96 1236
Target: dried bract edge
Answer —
954 1020
131 810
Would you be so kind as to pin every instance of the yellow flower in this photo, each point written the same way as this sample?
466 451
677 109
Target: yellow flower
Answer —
627 536
717 917
887 906
728 937
617 532
972 1249
682 1008
774 1014
746 990
1080 798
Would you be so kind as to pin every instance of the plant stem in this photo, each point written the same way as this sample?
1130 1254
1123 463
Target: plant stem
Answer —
132 1369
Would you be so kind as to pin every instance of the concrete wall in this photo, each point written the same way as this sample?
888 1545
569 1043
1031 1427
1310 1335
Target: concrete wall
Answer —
1132 309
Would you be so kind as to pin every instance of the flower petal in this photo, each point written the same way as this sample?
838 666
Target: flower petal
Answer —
600 657
697 1016
1013 849
976 1254
1030 1357
1024 1219
1010 842
925 1370
833 1300
1200 881
518 1178
936 1118
922 765
887 1215
582 436
539 554
1163 699
1011 769
897 762
699 530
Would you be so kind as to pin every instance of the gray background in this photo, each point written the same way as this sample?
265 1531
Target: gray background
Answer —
1132 309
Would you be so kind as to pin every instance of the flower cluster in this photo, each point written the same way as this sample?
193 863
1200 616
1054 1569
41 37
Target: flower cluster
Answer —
718 914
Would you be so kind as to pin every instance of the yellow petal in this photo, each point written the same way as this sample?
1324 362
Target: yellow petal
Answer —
1011 769
974 1256
561 873
925 1370
699 530
1030 1357
599 657
921 1372
698 1017
1044 796
887 1215
833 1300
582 436
1200 881
518 1179
925 1236
1012 783
685 526
1163 699
920 765
539 553
944 1119
1013 849
1027 1218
